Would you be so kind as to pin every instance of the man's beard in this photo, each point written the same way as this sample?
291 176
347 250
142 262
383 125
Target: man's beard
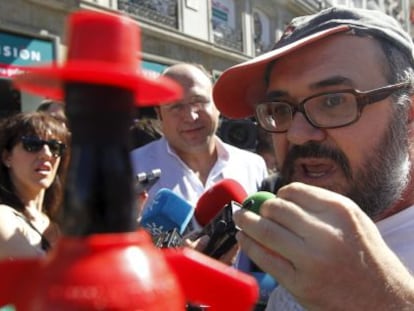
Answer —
378 184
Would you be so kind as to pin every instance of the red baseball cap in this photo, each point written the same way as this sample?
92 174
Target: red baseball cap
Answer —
241 87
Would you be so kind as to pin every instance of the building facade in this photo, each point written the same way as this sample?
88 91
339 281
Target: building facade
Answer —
214 33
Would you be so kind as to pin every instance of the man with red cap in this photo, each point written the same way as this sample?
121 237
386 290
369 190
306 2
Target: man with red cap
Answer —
336 92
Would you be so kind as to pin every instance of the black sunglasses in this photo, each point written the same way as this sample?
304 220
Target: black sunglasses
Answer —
35 144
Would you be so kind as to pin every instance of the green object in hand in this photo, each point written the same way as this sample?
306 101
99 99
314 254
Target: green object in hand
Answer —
254 201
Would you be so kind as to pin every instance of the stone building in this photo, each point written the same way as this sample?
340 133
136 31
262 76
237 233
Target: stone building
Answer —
214 33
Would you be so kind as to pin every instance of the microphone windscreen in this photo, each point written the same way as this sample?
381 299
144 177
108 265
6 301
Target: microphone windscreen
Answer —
214 199
167 211
254 201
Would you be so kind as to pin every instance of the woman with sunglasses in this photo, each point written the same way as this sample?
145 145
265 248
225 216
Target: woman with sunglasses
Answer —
34 160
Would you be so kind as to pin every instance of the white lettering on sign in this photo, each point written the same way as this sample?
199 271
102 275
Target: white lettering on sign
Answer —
9 71
24 54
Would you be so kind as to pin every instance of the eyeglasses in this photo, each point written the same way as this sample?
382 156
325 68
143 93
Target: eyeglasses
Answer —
34 144
324 110
178 109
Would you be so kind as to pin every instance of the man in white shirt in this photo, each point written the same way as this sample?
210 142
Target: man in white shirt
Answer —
192 158
337 93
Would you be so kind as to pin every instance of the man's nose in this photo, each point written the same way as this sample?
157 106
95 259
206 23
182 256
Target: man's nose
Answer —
301 131
191 112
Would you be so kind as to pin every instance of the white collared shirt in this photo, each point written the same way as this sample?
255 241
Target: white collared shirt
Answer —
246 167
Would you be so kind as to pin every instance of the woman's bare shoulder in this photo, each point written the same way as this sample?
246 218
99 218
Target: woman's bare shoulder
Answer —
10 222
15 236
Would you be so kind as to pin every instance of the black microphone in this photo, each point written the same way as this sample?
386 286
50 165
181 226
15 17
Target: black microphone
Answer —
214 211
145 180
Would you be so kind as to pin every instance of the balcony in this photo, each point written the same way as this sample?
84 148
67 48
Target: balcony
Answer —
261 47
227 37
163 12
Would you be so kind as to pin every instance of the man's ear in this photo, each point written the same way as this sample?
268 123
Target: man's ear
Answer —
411 110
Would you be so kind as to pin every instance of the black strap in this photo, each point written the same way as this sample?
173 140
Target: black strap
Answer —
44 243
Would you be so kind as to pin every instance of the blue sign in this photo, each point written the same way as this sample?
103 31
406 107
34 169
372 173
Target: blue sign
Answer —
18 51
157 67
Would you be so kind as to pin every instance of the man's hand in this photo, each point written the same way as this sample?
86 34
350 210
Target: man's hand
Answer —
324 249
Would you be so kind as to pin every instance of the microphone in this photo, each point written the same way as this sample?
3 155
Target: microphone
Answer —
166 217
214 199
243 263
254 201
145 180
214 211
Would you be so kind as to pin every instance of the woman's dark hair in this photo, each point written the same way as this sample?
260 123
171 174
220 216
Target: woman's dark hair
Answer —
44 126
44 106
